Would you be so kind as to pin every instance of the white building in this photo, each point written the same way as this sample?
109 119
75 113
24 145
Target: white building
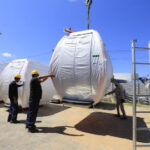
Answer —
123 76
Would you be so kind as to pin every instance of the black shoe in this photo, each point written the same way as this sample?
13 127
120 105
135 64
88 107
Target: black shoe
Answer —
27 126
36 130
8 120
125 118
60 102
33 130
91 106
15 121
117 115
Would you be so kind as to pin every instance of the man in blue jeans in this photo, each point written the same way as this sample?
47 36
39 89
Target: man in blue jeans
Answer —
34 99
13 96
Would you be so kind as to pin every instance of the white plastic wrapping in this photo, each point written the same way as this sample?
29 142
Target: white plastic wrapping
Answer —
81 66
24 67
2 66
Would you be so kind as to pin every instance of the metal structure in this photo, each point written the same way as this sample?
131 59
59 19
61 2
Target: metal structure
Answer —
135 95
88 4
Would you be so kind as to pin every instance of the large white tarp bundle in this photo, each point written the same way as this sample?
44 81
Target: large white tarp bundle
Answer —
81 66
2 66
24 67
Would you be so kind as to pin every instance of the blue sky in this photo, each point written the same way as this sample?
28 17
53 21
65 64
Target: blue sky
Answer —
32 28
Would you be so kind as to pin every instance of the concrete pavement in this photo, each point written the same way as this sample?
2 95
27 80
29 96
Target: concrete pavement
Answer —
72 128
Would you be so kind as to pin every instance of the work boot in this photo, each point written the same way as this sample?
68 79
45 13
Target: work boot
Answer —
117 115
9 119
33 130
28 126
124 117
91 106
15 121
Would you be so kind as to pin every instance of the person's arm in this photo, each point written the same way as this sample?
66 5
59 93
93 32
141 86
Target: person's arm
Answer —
45 77
113 91
20 85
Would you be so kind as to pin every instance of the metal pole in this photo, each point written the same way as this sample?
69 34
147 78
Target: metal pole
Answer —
88 18
138 92
134 93
149 50
149 68
88 4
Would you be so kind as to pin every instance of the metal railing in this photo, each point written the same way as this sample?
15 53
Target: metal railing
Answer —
134 127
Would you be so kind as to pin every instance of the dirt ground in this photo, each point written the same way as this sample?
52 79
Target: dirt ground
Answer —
74 127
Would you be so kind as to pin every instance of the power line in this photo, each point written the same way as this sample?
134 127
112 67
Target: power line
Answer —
40 54
119 50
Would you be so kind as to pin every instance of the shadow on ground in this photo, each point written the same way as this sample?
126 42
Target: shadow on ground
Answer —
107 124
1 105
48 110
59 129
24 121
101 105
105 106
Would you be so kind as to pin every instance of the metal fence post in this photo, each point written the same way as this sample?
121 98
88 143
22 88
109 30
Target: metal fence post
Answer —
134 94
149 51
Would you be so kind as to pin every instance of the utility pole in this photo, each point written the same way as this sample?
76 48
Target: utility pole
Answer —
88 4
149 62
149 52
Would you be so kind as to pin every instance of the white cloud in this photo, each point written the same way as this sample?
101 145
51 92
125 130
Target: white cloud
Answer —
6 54
72 0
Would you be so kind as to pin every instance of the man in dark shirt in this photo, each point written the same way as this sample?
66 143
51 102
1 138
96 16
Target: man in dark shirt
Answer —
13 96
34 99
120 96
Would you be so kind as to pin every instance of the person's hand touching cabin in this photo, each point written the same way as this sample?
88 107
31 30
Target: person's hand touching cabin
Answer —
45 77
51 75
